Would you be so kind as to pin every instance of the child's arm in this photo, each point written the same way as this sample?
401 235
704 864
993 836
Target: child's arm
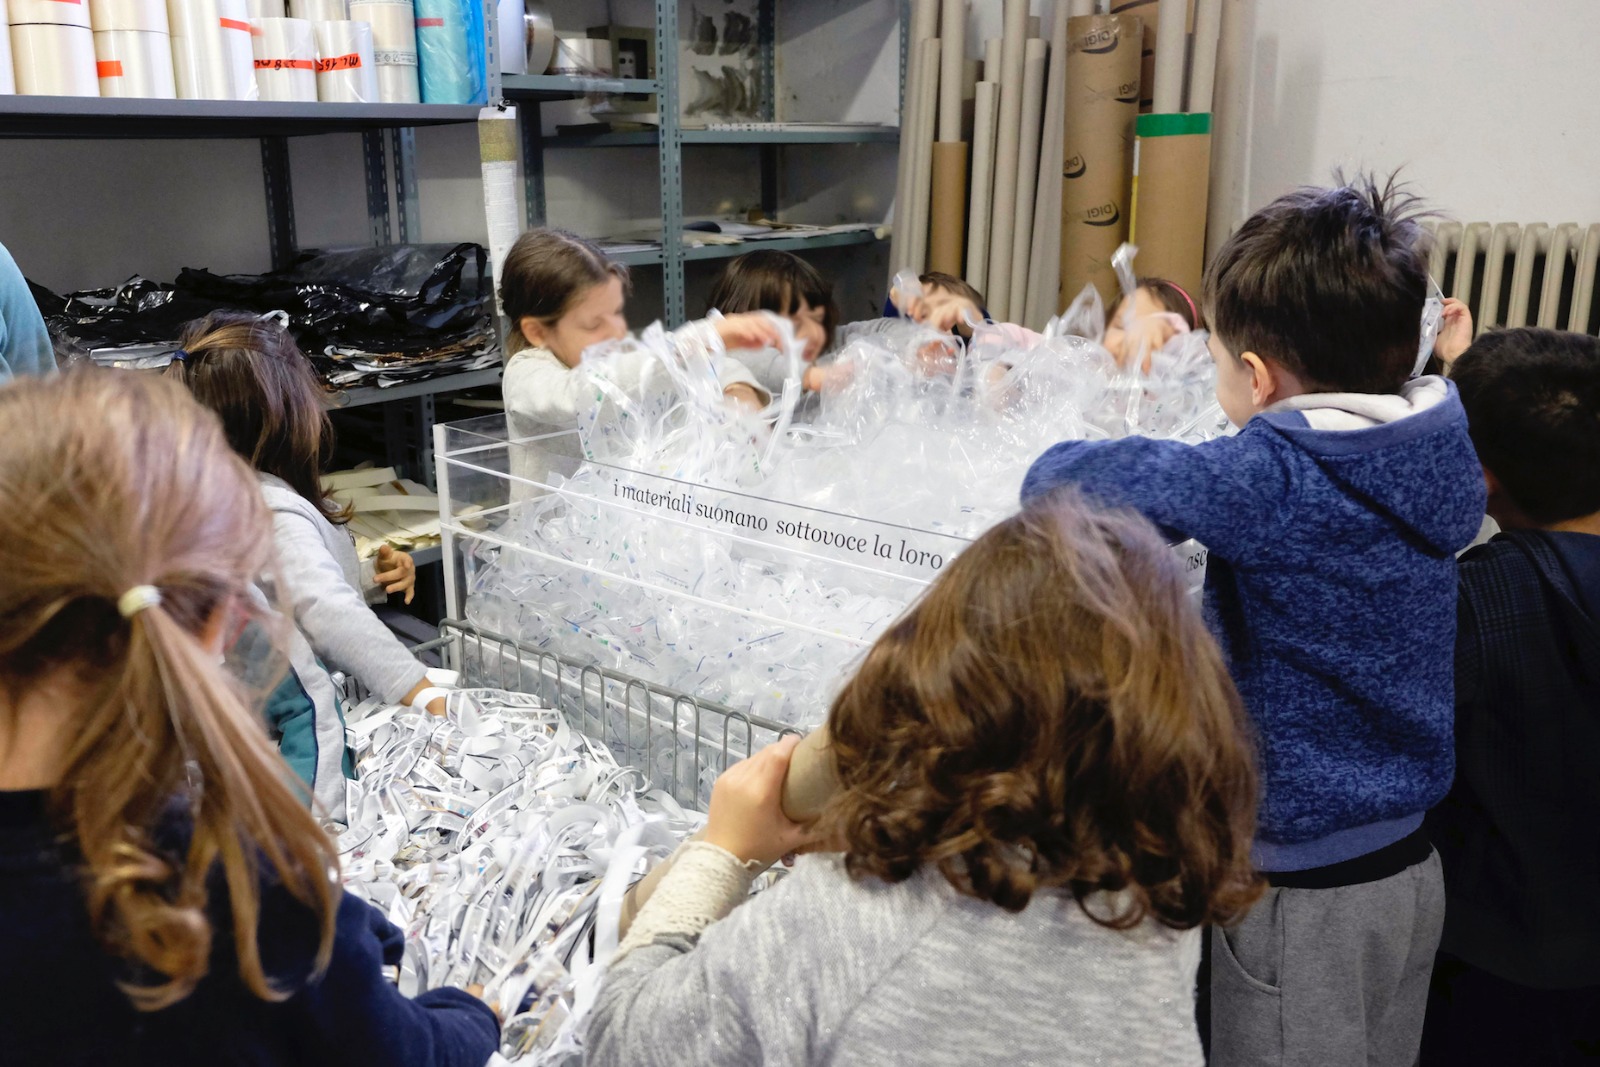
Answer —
686 950
1218 492
354 1014
539 387
336 621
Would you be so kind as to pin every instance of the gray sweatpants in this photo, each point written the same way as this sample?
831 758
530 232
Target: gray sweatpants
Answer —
1328 977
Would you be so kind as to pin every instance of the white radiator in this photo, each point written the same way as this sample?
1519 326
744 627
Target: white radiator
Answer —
1519 274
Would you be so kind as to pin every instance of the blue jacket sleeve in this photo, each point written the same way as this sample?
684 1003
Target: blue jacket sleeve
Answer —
356 1014
1217 492
25 346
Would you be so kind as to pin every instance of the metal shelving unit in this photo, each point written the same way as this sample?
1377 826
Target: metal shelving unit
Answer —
388 151
104 118
530 91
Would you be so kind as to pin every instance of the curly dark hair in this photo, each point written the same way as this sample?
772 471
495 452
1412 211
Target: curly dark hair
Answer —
1052 713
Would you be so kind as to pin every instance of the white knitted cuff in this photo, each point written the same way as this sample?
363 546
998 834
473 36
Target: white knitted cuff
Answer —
704 884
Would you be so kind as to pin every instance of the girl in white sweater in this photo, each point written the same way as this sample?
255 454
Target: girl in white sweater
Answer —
1046 790
563 296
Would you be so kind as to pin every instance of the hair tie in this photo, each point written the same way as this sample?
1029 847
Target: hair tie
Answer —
137 599
179 356
1194 314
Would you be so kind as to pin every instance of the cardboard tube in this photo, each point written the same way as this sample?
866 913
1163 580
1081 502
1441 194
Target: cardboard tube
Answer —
1166 97
54 60
135 63
1170 186
1044 257
1203 67
394 48
286 59
346 72
949 220
985 114
1008 130
924 22
811 783
1148 12
927 113
991 62
8 78
969 95
1027 178
1102 102
952 51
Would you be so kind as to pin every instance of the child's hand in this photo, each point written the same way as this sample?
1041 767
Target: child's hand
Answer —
1149 334
745 396
747 815
1455 331
828 379
396 572
749 329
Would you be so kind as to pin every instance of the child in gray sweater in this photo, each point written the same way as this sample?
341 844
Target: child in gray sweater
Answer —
1046 789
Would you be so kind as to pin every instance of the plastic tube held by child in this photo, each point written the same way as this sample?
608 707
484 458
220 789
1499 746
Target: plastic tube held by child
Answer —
812 782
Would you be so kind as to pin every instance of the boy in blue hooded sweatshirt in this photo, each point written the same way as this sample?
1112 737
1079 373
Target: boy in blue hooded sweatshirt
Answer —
1333 518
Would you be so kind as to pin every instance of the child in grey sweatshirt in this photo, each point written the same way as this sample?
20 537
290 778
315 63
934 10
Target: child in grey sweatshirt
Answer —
1046 789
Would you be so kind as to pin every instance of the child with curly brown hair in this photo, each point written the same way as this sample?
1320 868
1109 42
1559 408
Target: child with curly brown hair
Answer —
1046 789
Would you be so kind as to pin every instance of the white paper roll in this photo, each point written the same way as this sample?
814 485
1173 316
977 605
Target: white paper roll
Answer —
134 63
394 48
286 59
265 9
200 68
48 13
315 11
233 19
149 16
53 60
199 57
8 78
346 73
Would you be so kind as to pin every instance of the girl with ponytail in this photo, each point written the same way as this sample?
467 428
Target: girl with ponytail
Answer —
165 896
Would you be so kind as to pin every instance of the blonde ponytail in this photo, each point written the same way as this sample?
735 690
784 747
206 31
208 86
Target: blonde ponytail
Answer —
113 481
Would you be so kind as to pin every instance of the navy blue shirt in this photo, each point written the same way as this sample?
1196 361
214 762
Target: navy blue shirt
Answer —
1519 833
60 1004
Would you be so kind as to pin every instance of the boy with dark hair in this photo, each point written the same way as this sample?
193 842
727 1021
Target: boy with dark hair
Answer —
1518 974
1333 519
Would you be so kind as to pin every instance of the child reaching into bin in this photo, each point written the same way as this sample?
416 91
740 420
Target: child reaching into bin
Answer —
1045 790
164 895
563 296
784 284
249 371
1332 518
